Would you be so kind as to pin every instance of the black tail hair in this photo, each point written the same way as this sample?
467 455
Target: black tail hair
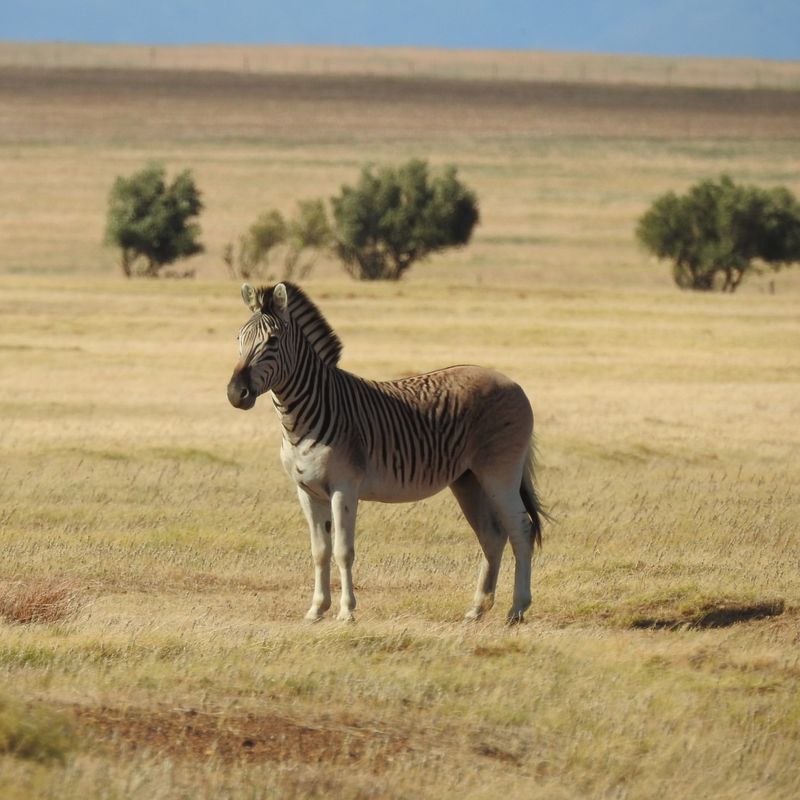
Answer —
530 499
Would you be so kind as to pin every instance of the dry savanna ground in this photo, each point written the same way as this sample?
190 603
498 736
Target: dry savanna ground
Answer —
154 567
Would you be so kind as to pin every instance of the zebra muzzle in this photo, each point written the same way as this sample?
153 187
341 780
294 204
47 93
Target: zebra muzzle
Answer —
240 395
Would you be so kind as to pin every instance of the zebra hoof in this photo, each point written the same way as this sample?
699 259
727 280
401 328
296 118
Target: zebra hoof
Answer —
473 615
346 616
515 617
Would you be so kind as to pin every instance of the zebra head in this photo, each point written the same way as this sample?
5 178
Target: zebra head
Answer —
259 338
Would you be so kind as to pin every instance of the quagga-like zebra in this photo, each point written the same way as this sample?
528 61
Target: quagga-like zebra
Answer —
347 439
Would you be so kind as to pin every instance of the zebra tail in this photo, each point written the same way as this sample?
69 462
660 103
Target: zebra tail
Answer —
530 499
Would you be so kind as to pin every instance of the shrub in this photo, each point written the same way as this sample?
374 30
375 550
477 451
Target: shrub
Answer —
255 246
396 216
296 238
309 233
719 231
150 221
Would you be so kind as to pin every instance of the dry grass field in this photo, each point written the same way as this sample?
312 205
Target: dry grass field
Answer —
154 567
405 62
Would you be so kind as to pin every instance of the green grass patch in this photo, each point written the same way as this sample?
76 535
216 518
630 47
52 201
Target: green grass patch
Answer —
33 731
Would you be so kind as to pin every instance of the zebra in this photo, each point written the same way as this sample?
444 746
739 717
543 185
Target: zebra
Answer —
346 438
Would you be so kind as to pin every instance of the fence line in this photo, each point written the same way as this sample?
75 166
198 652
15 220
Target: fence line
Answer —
408 62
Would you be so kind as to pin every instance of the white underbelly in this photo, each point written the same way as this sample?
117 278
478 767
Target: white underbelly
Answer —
372 488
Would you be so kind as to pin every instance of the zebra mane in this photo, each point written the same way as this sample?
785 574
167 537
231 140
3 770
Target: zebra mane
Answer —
316 329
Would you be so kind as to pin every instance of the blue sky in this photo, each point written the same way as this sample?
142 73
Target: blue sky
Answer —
757 28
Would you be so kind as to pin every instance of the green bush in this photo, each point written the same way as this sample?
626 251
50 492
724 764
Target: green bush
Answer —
150 221
251 258
394 217
297 239
719 231
308 233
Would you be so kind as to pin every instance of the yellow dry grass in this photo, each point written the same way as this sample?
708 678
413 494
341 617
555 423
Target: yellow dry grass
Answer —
668 453
660 658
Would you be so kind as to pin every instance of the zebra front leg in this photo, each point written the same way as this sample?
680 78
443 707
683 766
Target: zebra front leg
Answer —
318 514
344 504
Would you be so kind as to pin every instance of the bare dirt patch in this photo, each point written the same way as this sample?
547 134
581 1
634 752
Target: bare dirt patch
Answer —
248 738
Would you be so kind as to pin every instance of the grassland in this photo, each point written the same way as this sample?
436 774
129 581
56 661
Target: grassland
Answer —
155 568
404 62
562 172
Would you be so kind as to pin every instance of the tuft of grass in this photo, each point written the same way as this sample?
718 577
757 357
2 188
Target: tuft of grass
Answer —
379 643
192 454
44 600
32 732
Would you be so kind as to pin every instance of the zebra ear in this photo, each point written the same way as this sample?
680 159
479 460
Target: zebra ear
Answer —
250 297
280 298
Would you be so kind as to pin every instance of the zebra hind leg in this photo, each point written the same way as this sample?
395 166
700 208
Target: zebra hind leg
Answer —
492 538
507 507
514 518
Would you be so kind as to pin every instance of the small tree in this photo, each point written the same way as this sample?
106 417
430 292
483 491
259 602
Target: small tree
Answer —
262 237
397 216
307 231
151 221
719 231
309 234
